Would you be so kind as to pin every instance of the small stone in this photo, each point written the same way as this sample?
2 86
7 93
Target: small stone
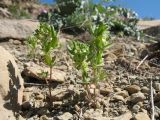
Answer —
118 98
57 103
92 114
44 117
133 89
58 94
38 103
136 108
11 40
137 97
145 89
115 112
26 97
117 89
29 89
124 81
39 97
156 86
71 87
105 91
16 42
93 86
65 116
123 93
140 104
94 91
157 97
142 116
35 71
26 105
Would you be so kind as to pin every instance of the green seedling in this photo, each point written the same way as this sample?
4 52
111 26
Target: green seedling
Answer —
79 53
90 56
47 38
100 41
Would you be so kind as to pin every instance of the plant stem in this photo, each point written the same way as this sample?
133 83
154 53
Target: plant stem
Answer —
49 86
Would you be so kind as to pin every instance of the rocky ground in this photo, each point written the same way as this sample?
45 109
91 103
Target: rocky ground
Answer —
125 94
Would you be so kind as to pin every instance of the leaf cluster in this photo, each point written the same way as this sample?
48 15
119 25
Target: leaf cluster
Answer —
80 14
47 39
90 55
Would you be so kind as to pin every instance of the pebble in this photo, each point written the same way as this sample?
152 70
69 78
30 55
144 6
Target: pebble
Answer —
118 98
65 116
26 96
92 114
39 97
142 116
136 108
16 42
133 89
145 89
137 97
156 86
26 105
44 117
123 93
117 89
105 91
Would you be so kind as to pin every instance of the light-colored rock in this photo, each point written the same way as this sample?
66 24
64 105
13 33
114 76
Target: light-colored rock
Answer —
117 89
137 97
125 116
133 89
65 116
142 116
17 29
118 98
26 96
105 91
39 97
11 85
136 108
58 94
16 42
93 115
123 93
145 90
97 115
36 70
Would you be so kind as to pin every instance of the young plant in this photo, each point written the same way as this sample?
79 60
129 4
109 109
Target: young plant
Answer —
79 53
100 41
47 38
90 55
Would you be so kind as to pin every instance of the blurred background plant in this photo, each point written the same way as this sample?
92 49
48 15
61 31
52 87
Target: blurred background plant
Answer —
77 15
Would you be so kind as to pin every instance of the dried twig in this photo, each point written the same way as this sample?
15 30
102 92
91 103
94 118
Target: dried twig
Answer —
34 84
152 103
142 61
